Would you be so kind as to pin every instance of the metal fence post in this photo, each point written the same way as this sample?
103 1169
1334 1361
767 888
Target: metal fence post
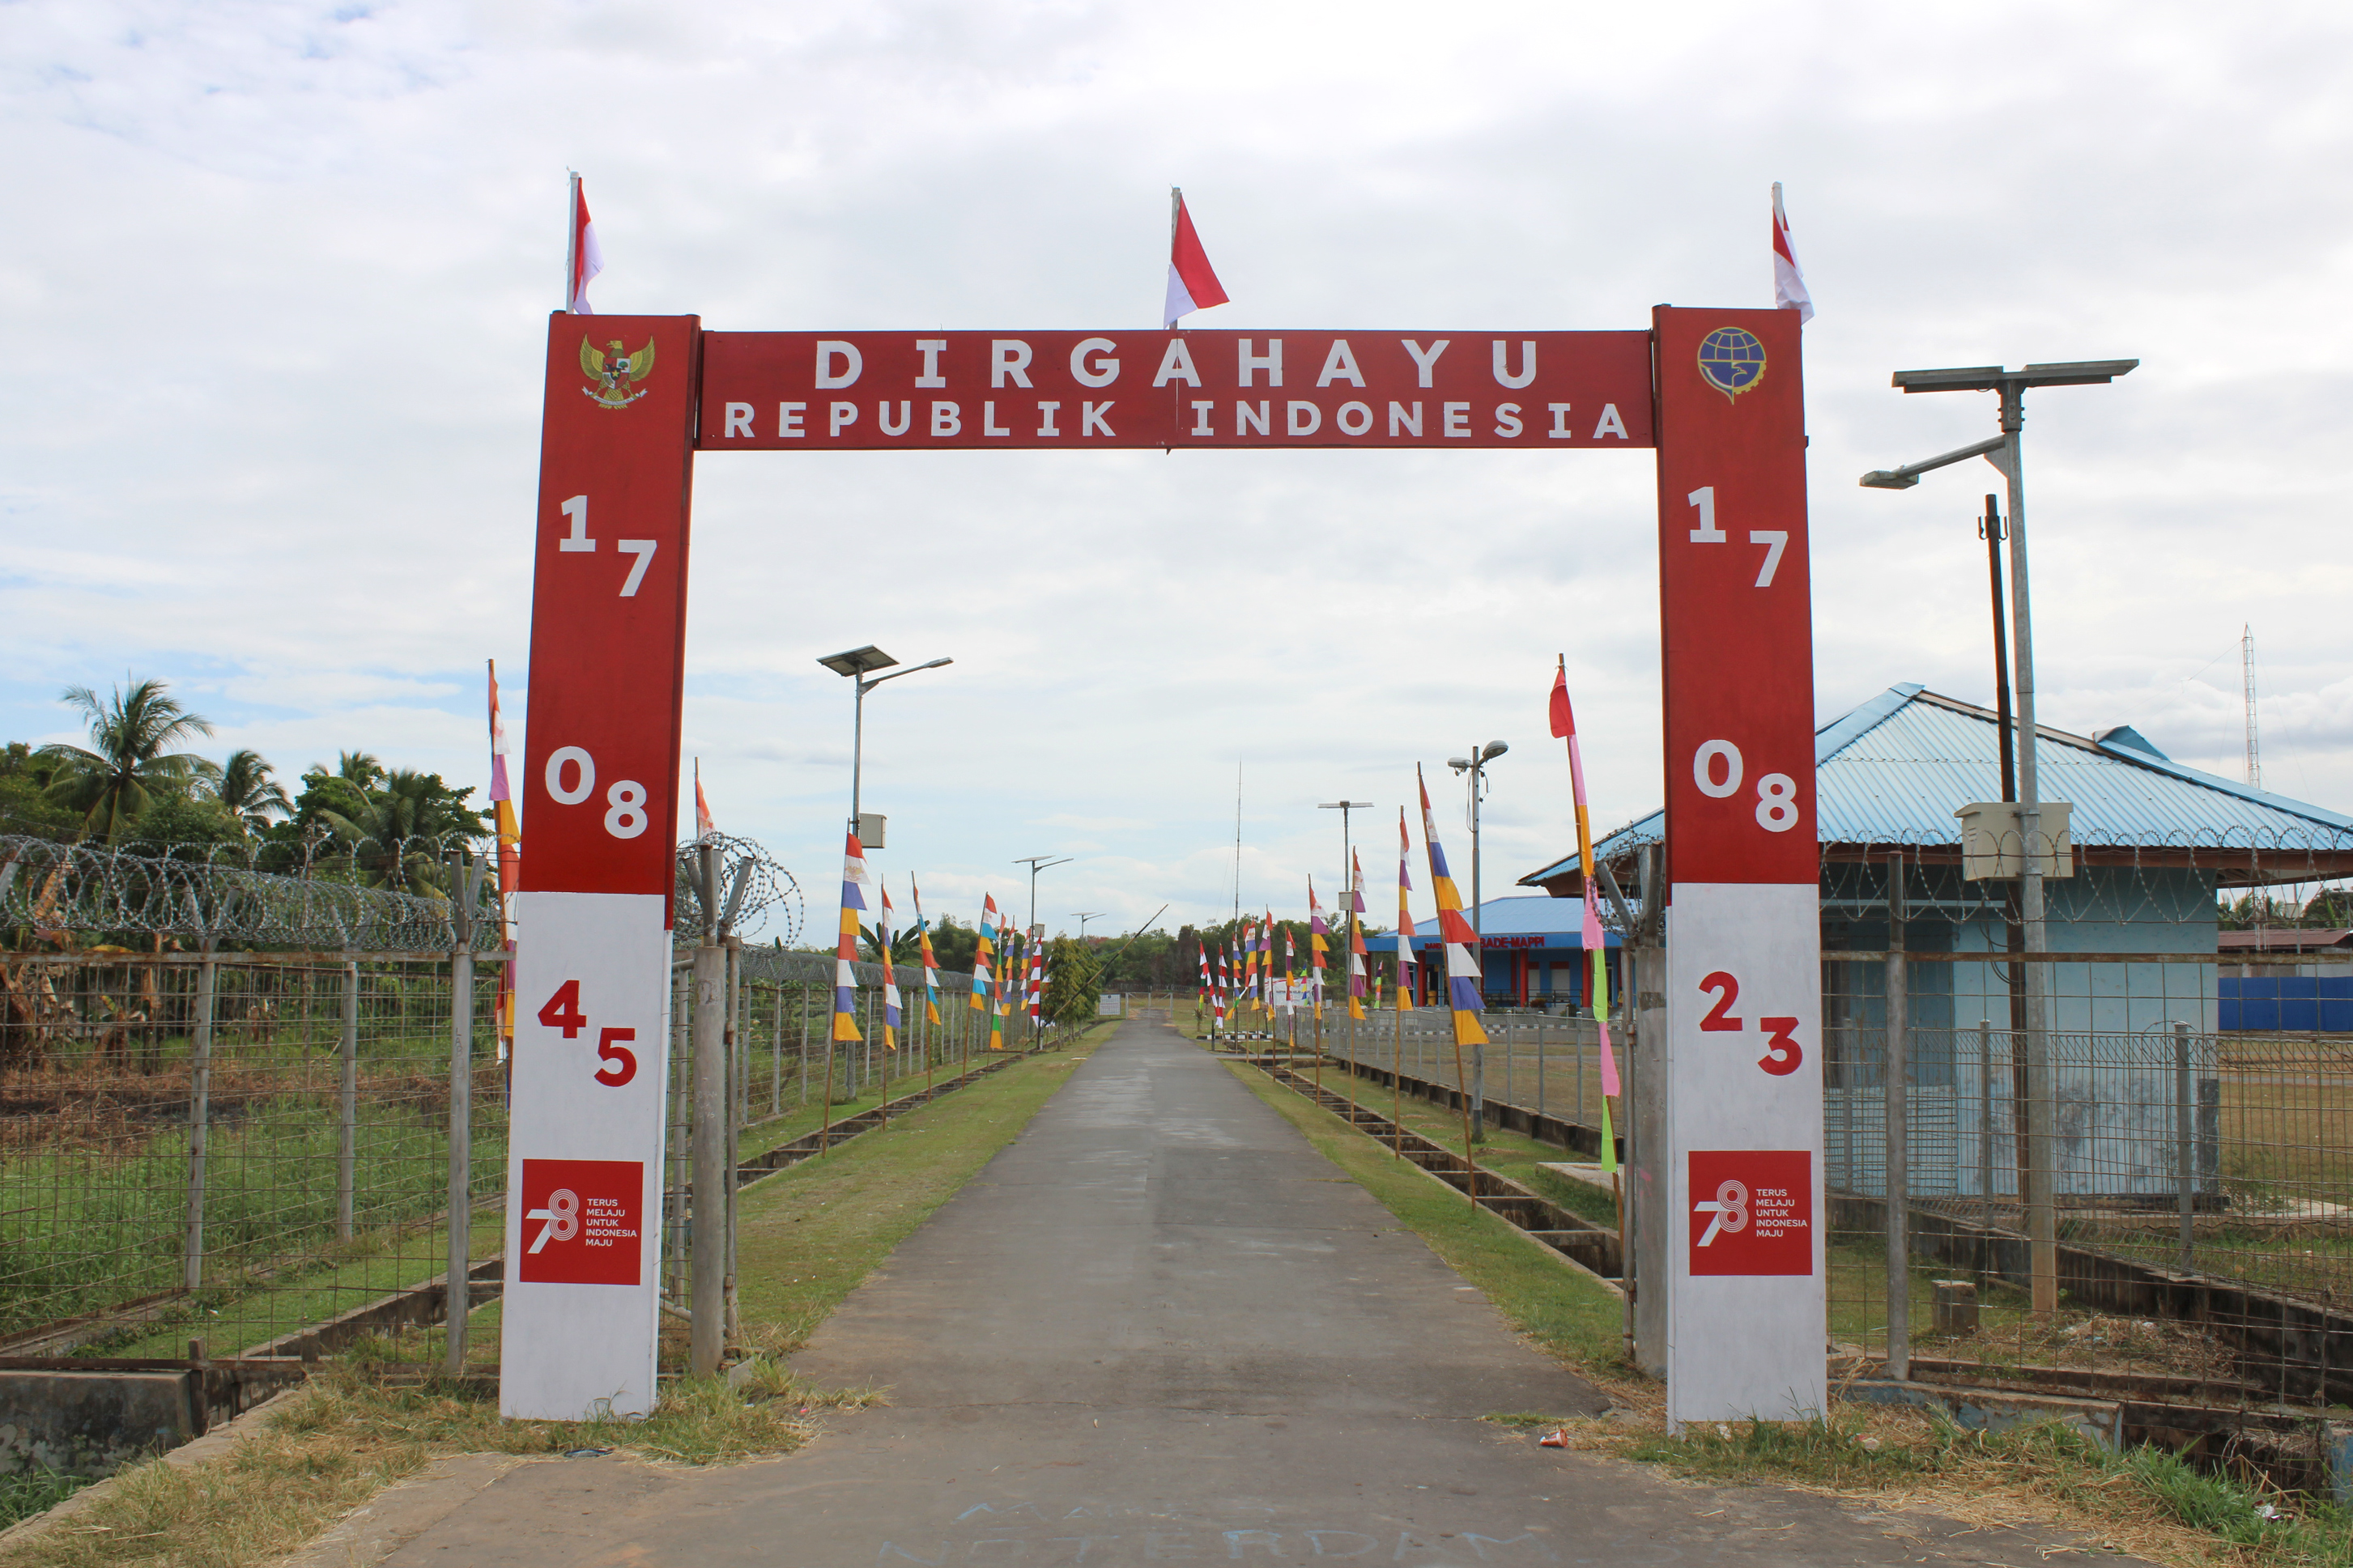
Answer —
1542 1019
347 1134
1898 1107
804 1005
2185 1155
1985 1117
200 1086
461 1148
738 1055
776 1055
458 1290
707 1217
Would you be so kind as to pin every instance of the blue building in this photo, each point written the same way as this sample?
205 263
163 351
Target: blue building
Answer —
2153 845
1532 955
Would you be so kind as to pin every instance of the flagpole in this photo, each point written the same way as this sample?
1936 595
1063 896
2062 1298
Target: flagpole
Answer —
1397 1065
571 237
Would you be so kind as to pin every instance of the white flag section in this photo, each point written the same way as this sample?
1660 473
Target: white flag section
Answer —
1192 286
587 257
1742 1091
1789 279
585 1156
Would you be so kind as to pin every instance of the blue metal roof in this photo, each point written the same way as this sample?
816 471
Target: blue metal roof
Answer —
1894 769
1555 922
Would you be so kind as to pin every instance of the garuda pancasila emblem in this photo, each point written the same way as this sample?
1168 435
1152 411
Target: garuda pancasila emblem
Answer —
610 375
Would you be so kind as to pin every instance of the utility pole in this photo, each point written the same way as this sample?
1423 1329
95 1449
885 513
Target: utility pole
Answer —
1475 767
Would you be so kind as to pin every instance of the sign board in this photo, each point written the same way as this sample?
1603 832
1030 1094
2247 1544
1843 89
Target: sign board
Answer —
592 919
1742 1085
1111 1005
1072 391
629 400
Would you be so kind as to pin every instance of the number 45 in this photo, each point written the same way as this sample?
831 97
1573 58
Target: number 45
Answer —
562 1011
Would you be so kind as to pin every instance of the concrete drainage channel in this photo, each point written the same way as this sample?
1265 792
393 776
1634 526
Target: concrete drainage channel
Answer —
89 1415
1590 1246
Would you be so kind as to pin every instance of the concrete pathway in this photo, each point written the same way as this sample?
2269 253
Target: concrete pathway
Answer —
1159 1327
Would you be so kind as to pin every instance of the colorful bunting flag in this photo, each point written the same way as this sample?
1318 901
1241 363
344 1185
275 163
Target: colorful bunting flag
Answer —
931 965
1359 965
510 854
1405 933
1319 950
845 953
1462 987
984 956
890 981
1596 946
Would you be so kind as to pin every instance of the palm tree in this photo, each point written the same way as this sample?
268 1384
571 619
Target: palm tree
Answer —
247 789
359 767
128 762
397 833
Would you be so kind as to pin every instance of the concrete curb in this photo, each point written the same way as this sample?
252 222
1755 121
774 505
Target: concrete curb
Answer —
213 1445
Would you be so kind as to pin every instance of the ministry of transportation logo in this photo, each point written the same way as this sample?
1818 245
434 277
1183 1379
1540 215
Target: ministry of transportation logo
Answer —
1730 358
610 375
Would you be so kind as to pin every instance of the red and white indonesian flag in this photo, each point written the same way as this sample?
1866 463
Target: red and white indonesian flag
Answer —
1192 286
1788 280
587 256
704 829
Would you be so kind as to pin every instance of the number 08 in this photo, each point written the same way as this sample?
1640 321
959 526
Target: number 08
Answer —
626 797
1776 793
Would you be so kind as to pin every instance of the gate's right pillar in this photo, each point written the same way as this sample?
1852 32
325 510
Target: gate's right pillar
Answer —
1739 1077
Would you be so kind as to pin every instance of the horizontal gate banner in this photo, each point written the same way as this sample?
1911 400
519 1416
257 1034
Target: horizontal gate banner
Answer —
894 391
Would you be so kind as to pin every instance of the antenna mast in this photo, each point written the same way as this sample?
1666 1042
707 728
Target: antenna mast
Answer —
2247 661
1238 843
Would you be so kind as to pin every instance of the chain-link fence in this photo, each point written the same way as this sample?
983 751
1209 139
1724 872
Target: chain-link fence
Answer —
272 1152
2131 1190
234 1147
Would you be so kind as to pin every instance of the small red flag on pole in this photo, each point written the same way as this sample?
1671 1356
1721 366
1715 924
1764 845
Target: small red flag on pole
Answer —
1192 286
584 258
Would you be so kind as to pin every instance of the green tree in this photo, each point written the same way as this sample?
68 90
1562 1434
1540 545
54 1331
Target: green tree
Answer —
396 834
129 761
953 943
186 827
25 806
247 787
906 948
1073 981
360 768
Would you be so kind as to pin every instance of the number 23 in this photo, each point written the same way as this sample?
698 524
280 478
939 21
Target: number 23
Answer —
1782 1056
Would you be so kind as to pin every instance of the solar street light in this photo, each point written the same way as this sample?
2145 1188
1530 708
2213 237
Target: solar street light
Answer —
2006 452
856 664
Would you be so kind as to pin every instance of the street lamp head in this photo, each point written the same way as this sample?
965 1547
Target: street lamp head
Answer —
858 660
1993 378
1492 750
1458 763
1889 480
932 665
1344 806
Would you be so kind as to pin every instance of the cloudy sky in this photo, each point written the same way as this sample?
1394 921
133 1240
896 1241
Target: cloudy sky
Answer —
275 279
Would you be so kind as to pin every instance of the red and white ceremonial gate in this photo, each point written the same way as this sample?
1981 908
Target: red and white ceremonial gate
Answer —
630 401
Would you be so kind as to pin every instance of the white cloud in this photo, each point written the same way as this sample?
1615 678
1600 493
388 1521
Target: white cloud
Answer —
278 274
